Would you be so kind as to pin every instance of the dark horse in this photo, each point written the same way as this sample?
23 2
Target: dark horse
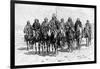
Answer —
70 37
37 41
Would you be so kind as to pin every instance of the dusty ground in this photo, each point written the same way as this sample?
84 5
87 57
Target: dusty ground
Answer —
24 57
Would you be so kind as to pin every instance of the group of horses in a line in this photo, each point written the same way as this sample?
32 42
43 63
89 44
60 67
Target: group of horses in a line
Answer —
47 37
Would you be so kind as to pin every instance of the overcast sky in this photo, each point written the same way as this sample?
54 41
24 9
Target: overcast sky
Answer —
24 12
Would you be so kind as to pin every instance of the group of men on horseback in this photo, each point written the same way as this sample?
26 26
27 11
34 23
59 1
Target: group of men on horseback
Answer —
56 34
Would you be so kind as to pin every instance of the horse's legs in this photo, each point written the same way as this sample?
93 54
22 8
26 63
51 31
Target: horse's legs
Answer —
78 43
87 42
39 47
32 44
27 44
52 47
47 47
44 47
35 48
55 47
69 45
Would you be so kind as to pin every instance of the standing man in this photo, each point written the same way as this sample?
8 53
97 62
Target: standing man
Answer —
69 27
78 32
62 24
87 30
62 32
36 25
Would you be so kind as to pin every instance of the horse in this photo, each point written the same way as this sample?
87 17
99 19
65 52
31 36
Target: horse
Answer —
44 41
70 38
48 40
37 41
51 38
60 38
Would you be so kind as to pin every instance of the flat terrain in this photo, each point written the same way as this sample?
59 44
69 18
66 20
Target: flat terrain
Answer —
24 57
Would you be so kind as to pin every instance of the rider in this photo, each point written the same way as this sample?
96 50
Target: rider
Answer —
36 25
36 28
44 25
54 26
45 22
44 30
54 23
78 22
28 29
69 24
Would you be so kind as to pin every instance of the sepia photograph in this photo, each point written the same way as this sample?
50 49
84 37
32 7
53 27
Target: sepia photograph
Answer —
50 34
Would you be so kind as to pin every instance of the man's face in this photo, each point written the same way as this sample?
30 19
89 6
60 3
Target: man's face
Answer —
28 23
46 20
78 19
62 20
87 21
37 21
69 19
54 17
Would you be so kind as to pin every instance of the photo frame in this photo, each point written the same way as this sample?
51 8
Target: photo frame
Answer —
13 18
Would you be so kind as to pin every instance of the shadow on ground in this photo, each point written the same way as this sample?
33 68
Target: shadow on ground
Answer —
22 48
40 53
